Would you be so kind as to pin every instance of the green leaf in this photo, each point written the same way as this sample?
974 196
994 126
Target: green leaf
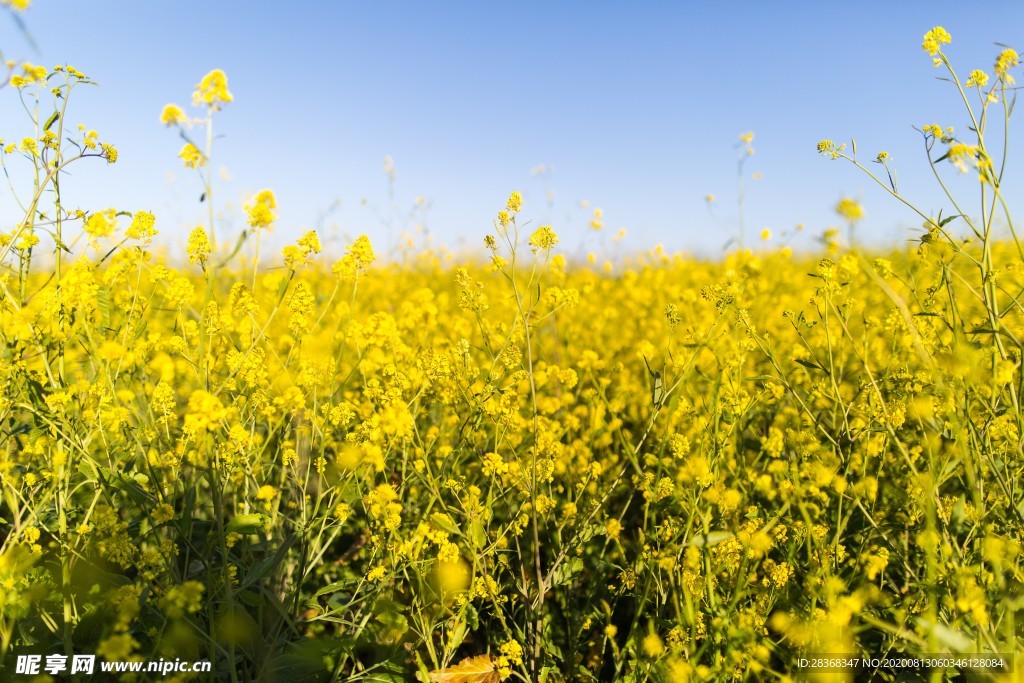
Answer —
553 674
711 538
88 469
587 533
472 617
103 305
457 634
395 623
810 365
36 433
251 598
477 535
444 523
131 483
246 524
259 570
305 660
566 571
266 564
334 587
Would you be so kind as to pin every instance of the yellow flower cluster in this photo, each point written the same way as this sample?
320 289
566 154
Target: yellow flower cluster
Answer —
31 74
850 210
543 238
172 114
297 255
260 210
212 90
934 40
661 468
358 258
198 246
191 156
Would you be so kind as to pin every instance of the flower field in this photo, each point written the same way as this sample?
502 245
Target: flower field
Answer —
311 467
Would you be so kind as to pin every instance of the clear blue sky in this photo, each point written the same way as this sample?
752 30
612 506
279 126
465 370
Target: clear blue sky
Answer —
637 107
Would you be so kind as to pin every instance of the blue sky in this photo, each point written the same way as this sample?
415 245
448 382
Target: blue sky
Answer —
636 108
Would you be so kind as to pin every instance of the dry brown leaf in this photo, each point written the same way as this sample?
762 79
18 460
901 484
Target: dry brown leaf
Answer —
479 669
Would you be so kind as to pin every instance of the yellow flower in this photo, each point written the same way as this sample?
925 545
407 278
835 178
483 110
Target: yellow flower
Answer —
510 654
109 153
30 75
830 149
260 211
359 257
191 155
1007 58
172 114
850 209
162 513
652 645
198 246
141 227
101 224
310 242
977 79
297 255
17 5
934 40
543 238
213 90
184 599
163 400
613 528
266 492
117 647
514 203
959 154
875 563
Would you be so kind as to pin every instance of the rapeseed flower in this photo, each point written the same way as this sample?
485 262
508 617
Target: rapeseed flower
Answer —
212 90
